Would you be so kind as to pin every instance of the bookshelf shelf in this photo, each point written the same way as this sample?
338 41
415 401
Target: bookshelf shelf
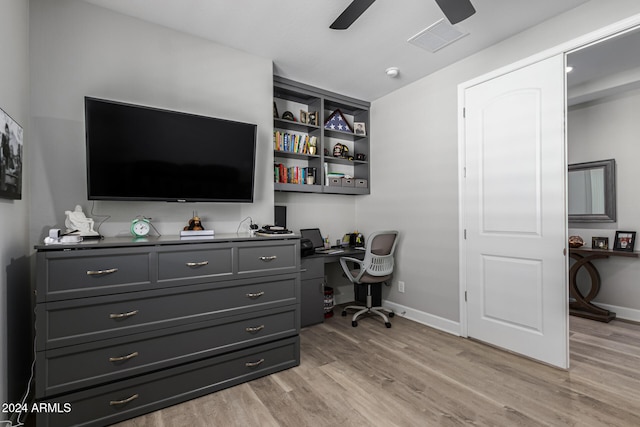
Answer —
347 136
291 155
341 161
298 188
294 126
297 99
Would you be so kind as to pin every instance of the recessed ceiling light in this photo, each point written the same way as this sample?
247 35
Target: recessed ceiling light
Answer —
392 71
568 68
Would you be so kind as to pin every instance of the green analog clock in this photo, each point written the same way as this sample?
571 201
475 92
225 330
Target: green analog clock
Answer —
140 227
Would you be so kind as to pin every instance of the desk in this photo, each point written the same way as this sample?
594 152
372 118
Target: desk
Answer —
582 305
312 284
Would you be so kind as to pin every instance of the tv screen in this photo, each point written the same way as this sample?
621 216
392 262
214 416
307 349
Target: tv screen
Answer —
142 153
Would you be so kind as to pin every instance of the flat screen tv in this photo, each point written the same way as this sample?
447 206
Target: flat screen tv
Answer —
142 153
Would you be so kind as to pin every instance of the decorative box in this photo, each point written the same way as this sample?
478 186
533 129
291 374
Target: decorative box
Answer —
361 183
348 182
335 182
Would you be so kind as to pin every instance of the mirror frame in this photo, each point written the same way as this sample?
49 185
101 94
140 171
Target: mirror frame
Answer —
609 215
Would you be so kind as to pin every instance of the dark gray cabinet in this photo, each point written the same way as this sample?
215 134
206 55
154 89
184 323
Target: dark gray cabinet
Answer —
124 328
312 291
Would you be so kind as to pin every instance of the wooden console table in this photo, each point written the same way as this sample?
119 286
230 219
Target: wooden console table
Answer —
582 305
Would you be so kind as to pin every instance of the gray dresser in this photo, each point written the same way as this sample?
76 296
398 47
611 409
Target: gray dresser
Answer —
125 327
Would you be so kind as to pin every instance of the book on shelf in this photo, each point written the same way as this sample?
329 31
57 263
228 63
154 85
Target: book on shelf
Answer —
292 174
293 143
196 233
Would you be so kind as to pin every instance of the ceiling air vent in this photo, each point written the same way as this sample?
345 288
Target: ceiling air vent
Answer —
436 36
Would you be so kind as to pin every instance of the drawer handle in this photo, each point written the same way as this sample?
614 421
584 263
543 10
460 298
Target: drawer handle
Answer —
268 258
124 401
254 329
123 358
101 272
254 364
197 264
255 295
123 315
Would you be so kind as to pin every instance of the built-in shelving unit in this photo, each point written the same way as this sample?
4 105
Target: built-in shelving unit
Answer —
298 99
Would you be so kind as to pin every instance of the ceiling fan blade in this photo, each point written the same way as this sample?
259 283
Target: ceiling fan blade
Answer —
456 10
350 14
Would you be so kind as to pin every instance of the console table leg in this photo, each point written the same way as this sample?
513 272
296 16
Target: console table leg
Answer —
582 305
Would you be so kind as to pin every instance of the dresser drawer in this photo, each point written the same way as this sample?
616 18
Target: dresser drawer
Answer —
72 322
87 273
63 370
206 262
118 401
269 258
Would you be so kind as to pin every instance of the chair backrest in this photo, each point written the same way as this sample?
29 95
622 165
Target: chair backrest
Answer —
378 258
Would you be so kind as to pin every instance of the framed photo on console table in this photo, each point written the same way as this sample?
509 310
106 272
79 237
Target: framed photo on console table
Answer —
10 157
625 241
600 243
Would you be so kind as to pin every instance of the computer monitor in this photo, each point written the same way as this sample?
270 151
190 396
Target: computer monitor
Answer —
314 235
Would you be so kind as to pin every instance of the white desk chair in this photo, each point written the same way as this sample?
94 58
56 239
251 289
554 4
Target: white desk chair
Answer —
377 267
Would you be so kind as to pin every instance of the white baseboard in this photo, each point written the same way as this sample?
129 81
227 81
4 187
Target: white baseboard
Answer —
451 327
427 319
623 313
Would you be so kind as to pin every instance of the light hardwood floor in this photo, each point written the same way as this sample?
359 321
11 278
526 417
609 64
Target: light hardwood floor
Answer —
412 375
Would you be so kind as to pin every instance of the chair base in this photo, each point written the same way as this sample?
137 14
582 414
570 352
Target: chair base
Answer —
362 311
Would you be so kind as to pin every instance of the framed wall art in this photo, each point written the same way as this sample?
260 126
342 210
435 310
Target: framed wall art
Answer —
11 134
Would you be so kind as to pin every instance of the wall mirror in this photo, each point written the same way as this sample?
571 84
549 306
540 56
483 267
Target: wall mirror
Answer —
592 191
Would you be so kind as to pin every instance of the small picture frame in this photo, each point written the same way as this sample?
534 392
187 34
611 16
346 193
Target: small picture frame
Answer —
304 117
312 118
625 241
359 128
600 243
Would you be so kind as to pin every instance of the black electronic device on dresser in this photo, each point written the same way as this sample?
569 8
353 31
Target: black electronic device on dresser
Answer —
125 327
280 216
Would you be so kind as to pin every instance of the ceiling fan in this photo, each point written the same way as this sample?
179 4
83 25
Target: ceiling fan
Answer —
454 10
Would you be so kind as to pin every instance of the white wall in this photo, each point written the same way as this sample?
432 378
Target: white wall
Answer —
415 167
14 271
604 129
335 215
78 50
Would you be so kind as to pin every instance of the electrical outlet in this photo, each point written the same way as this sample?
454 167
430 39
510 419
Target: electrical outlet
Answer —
400 286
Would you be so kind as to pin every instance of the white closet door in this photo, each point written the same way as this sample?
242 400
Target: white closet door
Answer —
515 219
